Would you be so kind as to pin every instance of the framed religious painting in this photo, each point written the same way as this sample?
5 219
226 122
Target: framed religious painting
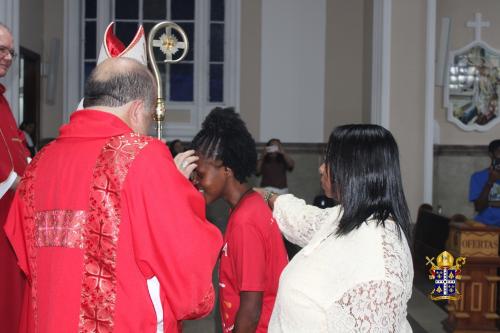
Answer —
472 87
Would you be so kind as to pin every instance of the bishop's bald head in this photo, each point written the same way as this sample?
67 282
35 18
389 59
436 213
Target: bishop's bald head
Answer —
122 86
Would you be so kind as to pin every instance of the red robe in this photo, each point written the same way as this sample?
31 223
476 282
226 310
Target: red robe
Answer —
99 211
13 156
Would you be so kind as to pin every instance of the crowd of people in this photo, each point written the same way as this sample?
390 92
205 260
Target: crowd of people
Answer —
107 229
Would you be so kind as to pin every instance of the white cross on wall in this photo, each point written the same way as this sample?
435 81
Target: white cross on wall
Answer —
478 24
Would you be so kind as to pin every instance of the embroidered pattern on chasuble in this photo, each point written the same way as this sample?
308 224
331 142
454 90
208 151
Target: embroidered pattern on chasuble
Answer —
101 232
61 228
95 232
27 192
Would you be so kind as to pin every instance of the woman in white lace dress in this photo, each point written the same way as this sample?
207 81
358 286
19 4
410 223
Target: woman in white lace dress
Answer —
355 271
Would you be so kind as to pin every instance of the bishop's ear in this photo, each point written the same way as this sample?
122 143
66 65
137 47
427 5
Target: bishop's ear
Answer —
135 109
139 119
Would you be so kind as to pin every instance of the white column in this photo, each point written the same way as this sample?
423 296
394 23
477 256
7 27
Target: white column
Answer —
72 59
104 18
381 62
429 100
9 15
292 72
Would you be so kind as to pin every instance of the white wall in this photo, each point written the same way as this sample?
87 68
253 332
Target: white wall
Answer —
292 71
31 25
251 15
344 66
51 116
407 94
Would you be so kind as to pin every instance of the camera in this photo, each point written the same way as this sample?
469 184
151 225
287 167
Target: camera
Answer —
496 164
272 149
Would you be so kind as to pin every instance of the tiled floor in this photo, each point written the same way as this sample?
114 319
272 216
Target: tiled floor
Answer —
205 325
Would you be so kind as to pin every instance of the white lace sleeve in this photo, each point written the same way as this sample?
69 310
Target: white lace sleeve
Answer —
299 221
372 306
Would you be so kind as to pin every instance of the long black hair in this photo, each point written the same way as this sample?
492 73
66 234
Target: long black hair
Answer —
225 137
363 164
171 146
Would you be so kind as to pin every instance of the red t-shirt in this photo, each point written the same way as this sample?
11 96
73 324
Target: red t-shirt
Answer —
252 259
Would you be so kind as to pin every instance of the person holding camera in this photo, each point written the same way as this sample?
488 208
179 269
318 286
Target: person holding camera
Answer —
484 190
273 165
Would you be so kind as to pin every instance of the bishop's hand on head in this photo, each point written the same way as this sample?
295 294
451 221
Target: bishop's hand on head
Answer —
186 162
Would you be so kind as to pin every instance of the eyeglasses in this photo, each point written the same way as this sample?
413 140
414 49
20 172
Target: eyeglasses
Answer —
5 50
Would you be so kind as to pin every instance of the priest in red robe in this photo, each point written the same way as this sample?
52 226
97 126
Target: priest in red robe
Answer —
102 209
13 161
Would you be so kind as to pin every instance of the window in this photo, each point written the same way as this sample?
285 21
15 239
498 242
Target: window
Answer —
204 79
89 36
216 59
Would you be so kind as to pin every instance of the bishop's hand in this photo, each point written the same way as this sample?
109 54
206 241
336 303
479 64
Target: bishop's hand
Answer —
186 162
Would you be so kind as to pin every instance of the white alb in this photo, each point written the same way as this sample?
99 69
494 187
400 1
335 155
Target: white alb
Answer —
360 282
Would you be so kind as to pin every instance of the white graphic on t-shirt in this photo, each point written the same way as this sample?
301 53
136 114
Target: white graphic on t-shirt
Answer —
494 192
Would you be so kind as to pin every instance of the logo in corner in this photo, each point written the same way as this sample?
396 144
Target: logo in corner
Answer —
445 275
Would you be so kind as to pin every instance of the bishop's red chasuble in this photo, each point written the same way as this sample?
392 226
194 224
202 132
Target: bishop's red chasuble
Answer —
99 211
13 157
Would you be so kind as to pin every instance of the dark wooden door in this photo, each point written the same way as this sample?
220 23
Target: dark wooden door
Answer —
29 89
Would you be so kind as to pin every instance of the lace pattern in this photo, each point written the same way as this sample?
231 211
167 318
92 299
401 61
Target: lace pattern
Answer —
373 306
397 257
379 305
371 296
298 221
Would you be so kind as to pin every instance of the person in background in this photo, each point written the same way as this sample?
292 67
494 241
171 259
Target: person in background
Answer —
13 160
175 147
355 272
273 165
28 128
253 254
484 189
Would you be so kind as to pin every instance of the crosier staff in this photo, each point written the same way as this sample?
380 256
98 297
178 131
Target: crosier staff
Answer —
169 45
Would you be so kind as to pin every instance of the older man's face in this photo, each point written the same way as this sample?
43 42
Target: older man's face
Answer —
6 47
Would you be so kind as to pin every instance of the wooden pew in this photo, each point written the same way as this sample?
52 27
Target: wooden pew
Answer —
429 236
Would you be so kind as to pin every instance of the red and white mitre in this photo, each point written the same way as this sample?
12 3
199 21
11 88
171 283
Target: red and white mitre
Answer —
113 47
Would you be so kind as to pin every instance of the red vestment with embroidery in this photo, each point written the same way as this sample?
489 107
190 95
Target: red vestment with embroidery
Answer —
99 211
13 157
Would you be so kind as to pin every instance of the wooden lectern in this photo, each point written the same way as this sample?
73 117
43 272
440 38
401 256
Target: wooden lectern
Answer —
476 311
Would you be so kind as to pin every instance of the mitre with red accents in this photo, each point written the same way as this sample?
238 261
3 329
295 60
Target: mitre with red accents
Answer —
112 47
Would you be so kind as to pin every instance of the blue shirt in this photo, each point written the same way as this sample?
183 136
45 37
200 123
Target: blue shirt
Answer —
491 215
